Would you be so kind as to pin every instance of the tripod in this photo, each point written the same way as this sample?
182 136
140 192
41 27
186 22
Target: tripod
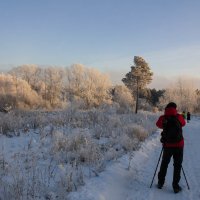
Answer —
157 168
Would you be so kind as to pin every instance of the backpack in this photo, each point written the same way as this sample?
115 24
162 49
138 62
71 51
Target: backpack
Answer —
172 130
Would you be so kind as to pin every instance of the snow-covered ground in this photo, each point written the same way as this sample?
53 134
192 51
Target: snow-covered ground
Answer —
118 183
37 164
47 155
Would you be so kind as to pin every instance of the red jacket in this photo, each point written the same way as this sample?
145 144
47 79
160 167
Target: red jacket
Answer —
159 124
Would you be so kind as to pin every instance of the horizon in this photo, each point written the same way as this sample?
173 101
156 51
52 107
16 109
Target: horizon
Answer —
158 82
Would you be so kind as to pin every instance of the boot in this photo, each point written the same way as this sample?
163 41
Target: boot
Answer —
159 185
177 188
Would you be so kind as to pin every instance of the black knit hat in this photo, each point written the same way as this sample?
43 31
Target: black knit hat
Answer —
171 105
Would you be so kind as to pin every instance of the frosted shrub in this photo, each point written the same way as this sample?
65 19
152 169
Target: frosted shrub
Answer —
112 153
38 120
107 125
20 120
77 146
122 96
92 156
114 121
19 181
17 187
110 109
70 177
144 105
69 146
87 150
139 132
77 103
60 146
6 193
51 196
133 135
128 142
7 125
3 163
78 140
147 120
60 142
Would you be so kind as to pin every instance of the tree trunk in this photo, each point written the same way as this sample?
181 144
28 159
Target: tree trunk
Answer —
137 97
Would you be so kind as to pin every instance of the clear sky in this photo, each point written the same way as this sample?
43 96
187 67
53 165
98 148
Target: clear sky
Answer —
104 34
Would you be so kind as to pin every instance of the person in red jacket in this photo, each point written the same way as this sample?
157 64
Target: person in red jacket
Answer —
171 149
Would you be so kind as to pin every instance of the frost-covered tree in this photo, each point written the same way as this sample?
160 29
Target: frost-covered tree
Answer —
75 80
55 85
87 84
30 73
183 93
47 82
17 92
122 95
138 78
53 79
197 92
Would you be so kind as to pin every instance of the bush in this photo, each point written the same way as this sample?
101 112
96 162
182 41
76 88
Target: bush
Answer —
123 97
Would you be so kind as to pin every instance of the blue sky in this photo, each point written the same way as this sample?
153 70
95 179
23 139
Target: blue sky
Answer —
105 34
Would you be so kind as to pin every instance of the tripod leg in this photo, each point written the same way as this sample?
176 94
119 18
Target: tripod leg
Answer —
156 168
185 178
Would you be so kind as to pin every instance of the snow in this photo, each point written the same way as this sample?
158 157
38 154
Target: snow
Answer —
47 155
116 182
119 183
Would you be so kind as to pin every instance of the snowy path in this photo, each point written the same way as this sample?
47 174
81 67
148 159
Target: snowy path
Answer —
117 183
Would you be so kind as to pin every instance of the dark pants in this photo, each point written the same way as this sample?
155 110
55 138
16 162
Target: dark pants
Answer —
177 154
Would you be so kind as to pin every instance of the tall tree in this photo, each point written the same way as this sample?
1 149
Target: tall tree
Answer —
138 78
